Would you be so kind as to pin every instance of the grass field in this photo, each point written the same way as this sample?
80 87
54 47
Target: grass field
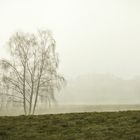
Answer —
73 126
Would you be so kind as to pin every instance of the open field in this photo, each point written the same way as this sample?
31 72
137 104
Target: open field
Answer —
72 109
72 126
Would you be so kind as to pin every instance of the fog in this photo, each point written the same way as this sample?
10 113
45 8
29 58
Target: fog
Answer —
97 41
100 89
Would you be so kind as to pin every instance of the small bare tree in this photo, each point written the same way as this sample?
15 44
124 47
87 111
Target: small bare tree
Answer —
32 69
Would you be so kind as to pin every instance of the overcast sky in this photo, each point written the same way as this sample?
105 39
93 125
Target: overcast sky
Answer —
93 36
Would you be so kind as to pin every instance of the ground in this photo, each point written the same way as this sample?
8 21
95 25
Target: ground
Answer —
72 126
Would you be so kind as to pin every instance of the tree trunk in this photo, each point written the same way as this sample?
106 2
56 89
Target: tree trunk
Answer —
31 98
36 97
24 93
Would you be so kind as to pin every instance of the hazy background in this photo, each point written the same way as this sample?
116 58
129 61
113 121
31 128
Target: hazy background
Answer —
98 42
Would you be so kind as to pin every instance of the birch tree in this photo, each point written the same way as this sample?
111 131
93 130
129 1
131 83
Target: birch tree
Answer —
32 69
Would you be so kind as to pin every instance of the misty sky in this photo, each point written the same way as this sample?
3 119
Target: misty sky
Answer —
93 36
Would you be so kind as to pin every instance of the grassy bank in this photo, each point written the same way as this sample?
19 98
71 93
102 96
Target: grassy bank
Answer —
74 126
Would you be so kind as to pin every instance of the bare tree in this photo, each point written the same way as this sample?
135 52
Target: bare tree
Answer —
32 69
